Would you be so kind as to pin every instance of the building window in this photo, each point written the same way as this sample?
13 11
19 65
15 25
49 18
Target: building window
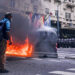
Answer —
47 10
65 0
55 12
26 6
70 0
48 0
35 9
68 16
32 1
12 3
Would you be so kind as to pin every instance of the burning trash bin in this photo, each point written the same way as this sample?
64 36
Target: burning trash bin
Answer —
45 39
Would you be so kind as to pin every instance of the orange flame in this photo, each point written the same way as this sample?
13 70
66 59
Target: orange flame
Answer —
24 50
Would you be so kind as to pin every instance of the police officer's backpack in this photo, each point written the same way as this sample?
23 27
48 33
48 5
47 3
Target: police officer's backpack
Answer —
1 30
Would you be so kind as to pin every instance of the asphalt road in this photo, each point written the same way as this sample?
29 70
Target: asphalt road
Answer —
40 66
66 53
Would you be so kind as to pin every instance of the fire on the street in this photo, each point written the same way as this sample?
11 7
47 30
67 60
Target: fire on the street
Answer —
24 50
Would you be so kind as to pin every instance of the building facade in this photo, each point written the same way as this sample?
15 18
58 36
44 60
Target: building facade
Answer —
66 11
65 8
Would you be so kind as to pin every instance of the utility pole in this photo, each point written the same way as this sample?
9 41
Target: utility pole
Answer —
58 24
58 27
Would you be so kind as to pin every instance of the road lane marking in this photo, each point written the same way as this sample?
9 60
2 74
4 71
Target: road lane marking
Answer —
38 74
55 60
62 73
37 59
71 69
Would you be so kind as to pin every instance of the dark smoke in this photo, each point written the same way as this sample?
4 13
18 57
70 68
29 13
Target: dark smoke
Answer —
20 28
20 25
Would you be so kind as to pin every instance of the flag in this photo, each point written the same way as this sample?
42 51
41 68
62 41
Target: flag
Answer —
42 20
47 21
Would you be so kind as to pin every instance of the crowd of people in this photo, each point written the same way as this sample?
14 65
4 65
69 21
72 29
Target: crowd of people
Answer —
66 43
67 38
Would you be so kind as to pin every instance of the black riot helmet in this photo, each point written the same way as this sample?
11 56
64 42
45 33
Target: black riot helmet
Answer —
8 15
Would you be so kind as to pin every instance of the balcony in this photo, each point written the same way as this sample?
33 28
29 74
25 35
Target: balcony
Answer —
57 0
70 4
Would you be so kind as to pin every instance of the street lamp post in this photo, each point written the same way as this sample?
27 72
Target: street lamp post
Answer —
58 27
58 24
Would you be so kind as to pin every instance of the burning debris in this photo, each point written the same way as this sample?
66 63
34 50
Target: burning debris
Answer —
23 36
24 50
20 30
28 37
